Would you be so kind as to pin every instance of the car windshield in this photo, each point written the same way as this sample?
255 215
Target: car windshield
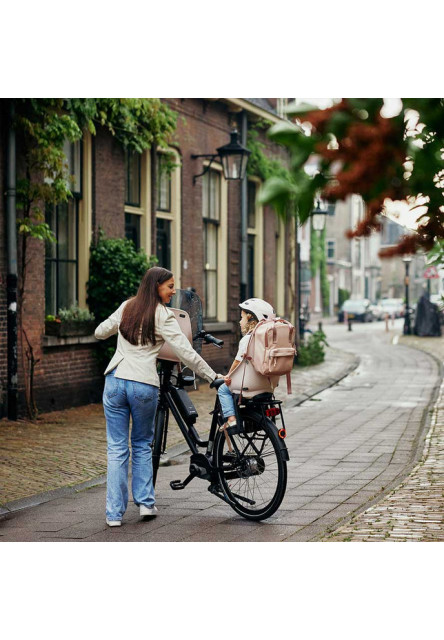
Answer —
354 305
391 302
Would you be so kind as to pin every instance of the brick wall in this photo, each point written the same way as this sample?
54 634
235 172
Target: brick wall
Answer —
109 185
69 375
3 270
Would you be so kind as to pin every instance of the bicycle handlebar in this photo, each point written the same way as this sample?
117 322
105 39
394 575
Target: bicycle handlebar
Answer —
209 339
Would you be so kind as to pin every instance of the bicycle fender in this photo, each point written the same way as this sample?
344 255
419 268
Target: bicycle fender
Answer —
283 451
285 456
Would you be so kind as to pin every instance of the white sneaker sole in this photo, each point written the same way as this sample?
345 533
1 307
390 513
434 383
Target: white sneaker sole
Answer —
146 511
113 523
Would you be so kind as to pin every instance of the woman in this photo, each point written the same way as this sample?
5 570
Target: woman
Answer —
143 324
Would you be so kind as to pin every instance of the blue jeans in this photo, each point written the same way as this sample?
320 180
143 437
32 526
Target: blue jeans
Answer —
122 398
226 401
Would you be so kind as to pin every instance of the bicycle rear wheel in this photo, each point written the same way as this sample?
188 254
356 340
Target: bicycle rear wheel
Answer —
254 475
159 426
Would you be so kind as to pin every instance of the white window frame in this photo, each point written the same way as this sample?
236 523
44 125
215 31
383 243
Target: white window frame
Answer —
144 210
222 247
174 216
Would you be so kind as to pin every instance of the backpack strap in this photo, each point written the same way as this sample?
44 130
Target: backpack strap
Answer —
245 357
288 383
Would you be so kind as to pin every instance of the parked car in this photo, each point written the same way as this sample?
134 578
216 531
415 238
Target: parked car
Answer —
360 310
378 311
393 306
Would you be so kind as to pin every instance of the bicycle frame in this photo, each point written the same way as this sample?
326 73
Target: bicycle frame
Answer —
265 407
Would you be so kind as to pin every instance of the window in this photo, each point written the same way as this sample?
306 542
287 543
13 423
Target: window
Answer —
254 243
331 206
330 249
62 257
211 209
61 261
73 153
168 213
163 247
164 184
133 178
132 228
136 199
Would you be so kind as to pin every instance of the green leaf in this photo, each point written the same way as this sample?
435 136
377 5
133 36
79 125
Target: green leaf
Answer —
294 109
278 193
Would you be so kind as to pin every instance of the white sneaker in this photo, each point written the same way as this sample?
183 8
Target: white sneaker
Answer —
113 523
147 511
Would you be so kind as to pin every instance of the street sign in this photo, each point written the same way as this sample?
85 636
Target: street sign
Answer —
431 272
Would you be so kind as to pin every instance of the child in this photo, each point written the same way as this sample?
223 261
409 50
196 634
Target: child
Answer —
253 310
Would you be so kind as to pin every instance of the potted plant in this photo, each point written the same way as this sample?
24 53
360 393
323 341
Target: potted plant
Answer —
70 322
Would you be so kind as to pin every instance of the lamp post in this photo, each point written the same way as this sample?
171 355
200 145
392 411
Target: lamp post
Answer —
233 157
407 328
319 217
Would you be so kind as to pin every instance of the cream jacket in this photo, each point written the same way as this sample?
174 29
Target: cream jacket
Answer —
138 362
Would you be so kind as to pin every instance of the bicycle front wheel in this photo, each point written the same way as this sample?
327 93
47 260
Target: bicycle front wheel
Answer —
253 475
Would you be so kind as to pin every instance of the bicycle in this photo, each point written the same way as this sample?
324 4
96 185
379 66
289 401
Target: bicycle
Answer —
245 465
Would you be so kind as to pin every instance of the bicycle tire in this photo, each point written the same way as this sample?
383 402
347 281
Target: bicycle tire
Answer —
236 482
159 425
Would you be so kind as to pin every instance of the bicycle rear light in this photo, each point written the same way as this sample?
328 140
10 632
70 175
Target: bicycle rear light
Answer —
272 412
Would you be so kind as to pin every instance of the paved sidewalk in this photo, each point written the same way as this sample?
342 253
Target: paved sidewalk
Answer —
68 448
413 511
347 445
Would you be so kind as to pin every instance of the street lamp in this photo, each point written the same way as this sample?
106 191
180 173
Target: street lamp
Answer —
407 328
319 216
233 157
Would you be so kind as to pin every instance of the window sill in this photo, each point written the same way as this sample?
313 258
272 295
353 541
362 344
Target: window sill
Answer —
54 341
218 327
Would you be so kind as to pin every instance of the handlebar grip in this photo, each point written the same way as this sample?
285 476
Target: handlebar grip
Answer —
209 339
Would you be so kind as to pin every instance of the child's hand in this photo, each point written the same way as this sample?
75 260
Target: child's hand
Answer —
227 380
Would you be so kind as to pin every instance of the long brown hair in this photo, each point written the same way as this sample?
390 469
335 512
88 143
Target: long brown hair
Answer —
138 320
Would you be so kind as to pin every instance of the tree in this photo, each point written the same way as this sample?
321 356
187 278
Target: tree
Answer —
361 151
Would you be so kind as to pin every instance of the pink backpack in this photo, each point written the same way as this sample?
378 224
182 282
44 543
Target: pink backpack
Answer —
271 348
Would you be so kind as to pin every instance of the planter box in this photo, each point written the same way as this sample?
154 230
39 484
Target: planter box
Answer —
70 329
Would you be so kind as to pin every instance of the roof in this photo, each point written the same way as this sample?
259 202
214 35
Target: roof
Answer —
262 103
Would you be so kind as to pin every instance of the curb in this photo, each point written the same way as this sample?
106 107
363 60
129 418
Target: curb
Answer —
419 452
326 384
174 452
41 498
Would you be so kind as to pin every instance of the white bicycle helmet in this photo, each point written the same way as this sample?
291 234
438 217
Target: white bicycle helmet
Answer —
259 308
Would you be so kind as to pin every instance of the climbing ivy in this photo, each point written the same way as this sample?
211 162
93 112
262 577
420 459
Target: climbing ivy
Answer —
264 166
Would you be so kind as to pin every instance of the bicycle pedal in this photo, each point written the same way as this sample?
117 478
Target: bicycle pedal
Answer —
176 485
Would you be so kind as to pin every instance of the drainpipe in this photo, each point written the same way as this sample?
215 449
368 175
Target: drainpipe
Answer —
244 214
11 282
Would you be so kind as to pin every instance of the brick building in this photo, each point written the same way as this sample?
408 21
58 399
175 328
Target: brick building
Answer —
198 238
